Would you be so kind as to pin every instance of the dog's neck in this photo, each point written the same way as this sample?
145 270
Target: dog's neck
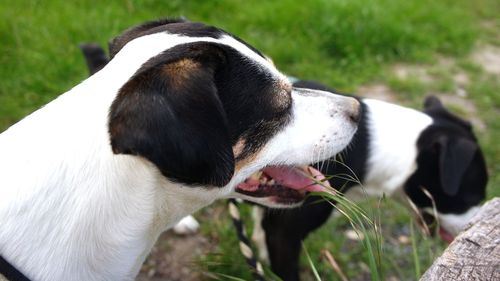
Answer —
67 200
393 132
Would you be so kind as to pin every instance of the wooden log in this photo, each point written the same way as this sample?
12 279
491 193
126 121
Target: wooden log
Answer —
475 253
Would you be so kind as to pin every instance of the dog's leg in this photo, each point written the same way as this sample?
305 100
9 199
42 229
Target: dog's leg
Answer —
285 230
284 252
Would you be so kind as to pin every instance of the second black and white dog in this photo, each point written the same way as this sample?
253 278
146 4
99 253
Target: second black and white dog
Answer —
399 152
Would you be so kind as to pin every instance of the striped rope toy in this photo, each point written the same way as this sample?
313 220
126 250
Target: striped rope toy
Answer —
245 246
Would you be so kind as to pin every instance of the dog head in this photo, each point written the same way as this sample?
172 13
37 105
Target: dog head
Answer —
208 110
451 177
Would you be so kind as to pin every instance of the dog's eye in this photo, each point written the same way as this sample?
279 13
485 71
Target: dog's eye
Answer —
286 93
283 99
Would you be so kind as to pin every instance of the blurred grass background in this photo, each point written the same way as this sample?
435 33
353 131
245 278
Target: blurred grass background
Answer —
346 44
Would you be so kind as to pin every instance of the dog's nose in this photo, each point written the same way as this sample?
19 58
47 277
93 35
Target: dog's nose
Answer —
353 111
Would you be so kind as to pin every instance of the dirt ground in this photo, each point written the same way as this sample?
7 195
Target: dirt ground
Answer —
173 256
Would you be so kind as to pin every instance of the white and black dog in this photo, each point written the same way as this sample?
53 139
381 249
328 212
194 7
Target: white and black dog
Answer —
181 115
396 151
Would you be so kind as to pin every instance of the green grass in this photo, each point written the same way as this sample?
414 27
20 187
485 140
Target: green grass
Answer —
343 43
397 258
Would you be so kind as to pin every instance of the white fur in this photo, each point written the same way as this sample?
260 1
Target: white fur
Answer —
393 132
70 209
454 223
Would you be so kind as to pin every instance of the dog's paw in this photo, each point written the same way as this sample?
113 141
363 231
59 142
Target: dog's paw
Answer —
186 226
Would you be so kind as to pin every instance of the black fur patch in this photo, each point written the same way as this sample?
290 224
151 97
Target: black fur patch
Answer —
170 113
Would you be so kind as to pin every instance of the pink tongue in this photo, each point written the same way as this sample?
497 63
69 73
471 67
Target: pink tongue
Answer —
297 178
445 235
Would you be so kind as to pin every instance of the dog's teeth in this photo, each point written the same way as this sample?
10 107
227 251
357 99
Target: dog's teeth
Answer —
263 180
256 176
271 182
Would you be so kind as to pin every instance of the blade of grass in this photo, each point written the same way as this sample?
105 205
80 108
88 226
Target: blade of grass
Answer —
334 264
229 277
311 264
416 260
358 220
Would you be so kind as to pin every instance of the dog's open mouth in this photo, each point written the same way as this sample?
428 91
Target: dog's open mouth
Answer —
433 227
283 184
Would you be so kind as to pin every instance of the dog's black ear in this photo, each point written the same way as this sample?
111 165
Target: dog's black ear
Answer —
455 156
435 108
170 114
432 102
95 56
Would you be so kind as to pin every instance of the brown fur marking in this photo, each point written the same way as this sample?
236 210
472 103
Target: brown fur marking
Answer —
180 71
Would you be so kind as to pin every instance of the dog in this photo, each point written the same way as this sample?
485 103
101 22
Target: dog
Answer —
431 158
182 115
